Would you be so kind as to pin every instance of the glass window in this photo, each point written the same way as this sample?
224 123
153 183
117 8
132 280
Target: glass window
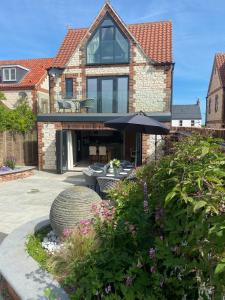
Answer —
108 45
9 74
107 95
122 95
69 87
216 103
92 93
111 94
181 123
192 122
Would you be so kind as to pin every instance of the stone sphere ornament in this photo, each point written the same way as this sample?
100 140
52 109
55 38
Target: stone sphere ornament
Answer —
71 206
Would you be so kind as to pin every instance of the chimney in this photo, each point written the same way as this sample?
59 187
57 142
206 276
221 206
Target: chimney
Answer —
198 102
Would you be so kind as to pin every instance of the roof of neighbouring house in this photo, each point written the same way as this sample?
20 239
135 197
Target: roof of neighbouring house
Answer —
155 38
186 112
37 68
220 62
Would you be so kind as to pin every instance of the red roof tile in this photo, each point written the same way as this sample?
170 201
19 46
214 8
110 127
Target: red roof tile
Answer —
155 38
37 68
220 62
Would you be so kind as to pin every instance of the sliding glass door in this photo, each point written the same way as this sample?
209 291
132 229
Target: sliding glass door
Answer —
110 94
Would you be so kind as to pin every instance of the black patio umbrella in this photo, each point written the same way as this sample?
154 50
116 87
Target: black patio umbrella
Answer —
138 123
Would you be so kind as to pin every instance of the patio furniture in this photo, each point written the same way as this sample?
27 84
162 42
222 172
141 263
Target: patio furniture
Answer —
138 123
90 180
92 153
63 105
106 183
102 153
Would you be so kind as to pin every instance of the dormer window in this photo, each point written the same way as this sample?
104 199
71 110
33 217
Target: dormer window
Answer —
9 74
108 45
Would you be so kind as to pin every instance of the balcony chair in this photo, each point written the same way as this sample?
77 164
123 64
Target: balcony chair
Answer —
64 105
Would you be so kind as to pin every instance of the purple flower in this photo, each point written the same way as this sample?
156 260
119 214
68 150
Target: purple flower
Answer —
152 252
108 289
129 281
159 214
145 190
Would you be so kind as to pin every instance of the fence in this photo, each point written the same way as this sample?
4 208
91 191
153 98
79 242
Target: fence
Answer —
22 147
216 133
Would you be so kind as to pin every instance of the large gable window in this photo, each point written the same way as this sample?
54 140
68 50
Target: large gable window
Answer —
108 45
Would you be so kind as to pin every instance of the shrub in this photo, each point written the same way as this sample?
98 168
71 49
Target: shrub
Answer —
21 119
10 162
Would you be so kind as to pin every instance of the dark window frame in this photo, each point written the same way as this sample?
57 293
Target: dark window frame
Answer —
107 16
115 91
209 106
192 123
66 91
180 123
216 103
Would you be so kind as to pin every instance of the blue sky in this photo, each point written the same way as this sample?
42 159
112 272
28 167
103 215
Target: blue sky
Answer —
35 28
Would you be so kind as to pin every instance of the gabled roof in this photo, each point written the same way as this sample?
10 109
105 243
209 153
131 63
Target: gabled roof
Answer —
220 63
155 38
37 68
186 112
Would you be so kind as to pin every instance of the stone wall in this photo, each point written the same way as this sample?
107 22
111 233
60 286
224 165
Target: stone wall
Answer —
215 119
149 83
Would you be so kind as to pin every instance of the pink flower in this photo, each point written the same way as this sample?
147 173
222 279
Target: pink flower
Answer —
153 269
67 232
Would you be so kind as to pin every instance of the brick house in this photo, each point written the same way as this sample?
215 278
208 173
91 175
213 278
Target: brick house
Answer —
28 79
215 100
125 69
186 115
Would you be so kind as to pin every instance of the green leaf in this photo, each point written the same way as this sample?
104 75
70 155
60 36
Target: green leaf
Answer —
220 268
170 196
205 150
199 205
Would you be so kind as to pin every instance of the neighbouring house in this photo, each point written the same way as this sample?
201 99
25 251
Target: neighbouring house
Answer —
27 79
102 72
186 115
215 108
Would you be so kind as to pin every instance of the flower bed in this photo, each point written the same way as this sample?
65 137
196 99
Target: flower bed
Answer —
163 238
8 174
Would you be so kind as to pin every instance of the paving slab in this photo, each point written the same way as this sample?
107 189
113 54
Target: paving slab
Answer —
26 199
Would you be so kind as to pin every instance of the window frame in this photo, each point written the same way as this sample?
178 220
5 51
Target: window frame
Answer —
209 106
192 123
216 103
180 123
10 74
66 96
100 27
115 91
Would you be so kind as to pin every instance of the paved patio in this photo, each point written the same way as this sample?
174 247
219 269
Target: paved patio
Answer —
26 199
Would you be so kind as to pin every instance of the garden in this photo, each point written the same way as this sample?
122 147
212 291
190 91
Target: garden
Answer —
161 236
19 120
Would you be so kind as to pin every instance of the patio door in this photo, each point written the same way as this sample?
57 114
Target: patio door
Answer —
61 151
